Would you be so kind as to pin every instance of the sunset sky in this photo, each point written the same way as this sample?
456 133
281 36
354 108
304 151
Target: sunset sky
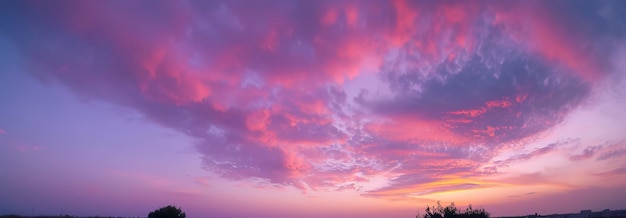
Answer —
263 108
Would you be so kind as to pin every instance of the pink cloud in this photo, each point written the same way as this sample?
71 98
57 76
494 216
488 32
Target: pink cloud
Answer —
409 129
260 86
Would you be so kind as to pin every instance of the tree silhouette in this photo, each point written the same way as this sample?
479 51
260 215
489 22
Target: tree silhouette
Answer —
167 212
451 211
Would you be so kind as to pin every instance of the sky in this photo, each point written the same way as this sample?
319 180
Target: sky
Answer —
311 108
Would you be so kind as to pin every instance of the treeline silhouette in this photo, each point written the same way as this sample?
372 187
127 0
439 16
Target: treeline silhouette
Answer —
62 216
163 212
451 211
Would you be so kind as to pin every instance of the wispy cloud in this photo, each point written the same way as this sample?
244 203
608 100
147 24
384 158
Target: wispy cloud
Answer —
613 151
526 194
614 172
587 153
535 153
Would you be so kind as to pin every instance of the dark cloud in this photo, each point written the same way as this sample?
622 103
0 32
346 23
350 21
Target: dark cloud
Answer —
497 95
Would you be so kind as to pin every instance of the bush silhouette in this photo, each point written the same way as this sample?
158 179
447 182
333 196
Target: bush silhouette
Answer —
451 211
167 212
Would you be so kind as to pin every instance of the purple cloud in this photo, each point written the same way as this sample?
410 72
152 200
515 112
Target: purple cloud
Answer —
587 153
260 85
612 150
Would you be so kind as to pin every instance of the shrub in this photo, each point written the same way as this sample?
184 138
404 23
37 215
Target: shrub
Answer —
167 212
